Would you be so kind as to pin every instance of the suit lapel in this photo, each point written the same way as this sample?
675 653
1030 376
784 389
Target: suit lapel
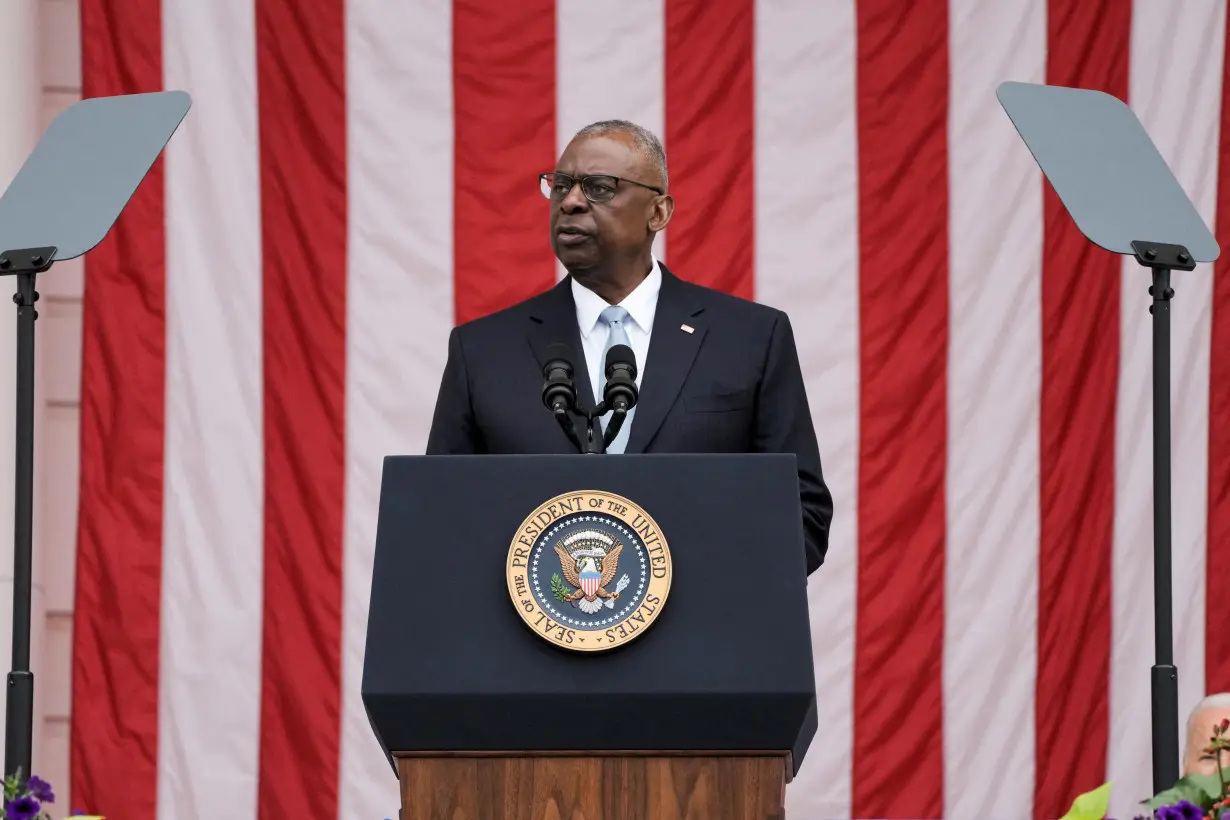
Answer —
553 318
671 353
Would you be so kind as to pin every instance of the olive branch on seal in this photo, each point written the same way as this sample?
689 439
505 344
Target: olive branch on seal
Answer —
560 590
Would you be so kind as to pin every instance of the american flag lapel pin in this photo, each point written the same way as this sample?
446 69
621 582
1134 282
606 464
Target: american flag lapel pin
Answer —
687 328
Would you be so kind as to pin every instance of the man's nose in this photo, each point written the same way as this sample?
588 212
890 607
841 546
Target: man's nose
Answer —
575 201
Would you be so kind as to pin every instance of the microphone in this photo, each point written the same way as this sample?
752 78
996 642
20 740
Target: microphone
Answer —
620 393
559 394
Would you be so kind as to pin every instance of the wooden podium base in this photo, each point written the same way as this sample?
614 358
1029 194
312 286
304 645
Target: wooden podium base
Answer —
660 786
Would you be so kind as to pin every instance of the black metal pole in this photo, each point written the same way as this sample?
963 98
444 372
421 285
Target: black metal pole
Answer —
19 714
1165 675
593 427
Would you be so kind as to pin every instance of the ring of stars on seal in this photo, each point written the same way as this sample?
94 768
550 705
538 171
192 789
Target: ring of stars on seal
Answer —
589 571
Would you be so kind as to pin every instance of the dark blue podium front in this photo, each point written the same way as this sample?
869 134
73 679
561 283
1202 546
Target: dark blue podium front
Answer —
450 666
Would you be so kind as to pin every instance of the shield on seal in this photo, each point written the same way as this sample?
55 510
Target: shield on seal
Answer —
589 582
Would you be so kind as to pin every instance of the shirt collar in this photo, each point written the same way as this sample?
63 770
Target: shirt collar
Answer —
641 303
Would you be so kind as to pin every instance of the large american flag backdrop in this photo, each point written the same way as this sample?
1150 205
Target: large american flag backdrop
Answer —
269 319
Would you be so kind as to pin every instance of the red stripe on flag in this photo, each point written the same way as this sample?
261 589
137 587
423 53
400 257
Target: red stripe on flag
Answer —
903 288
1217 550
114 757
710 127
1088 42
301 71
504 137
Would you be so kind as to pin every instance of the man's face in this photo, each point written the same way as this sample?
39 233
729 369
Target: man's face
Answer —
589 235
1195 759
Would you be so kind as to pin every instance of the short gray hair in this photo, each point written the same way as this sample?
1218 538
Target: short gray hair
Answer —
1221 700
646 142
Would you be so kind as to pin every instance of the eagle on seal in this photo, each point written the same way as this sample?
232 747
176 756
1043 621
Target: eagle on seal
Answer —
590 571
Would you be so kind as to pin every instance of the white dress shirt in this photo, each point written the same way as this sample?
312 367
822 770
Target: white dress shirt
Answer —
641 305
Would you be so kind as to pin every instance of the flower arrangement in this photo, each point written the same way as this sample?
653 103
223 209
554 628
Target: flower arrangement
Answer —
1193 797
24 799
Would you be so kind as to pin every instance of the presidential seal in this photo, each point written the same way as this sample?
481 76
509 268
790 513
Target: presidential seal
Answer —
589 571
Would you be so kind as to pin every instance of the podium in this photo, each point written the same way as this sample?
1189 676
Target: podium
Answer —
607 638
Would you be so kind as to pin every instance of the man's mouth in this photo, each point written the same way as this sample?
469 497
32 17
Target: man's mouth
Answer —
572 236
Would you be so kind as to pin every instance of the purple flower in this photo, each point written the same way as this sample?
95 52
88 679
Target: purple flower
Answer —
40 789
1169 813
23 808
1188 810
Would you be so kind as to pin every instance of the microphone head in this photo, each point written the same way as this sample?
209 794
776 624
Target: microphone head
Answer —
620 392
557 354
621 355
558 392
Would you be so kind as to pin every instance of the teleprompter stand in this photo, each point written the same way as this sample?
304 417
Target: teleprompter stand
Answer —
19 716
1163 258
61 204
1118 189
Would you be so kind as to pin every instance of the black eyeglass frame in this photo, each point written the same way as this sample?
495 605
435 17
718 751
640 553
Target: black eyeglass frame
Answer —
548 185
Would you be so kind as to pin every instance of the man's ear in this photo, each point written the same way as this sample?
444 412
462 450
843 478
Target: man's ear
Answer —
660 213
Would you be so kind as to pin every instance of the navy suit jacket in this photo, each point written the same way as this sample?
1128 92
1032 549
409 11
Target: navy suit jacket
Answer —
733 385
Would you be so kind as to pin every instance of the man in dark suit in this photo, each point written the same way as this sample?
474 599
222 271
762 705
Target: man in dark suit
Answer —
720 374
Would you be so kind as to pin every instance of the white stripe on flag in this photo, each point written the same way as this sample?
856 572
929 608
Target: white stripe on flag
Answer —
1187 131
1176 95
995 364
609 58
399 308
210 653
806 218
1131 649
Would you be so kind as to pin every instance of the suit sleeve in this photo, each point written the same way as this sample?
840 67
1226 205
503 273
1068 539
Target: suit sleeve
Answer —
454 430
784 425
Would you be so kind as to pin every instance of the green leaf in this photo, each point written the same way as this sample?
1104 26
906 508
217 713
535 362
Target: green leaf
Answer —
13 784
559 589
1090 805
1202 789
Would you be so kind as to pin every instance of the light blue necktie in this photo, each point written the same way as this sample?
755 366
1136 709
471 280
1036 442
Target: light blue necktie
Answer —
614 318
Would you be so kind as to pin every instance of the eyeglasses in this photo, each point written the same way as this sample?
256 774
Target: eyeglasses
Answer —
596 187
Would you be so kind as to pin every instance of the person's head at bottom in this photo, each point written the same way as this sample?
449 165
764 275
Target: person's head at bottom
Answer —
1203 719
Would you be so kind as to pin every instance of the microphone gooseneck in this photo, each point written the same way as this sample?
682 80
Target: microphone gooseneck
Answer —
620 393
559 393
